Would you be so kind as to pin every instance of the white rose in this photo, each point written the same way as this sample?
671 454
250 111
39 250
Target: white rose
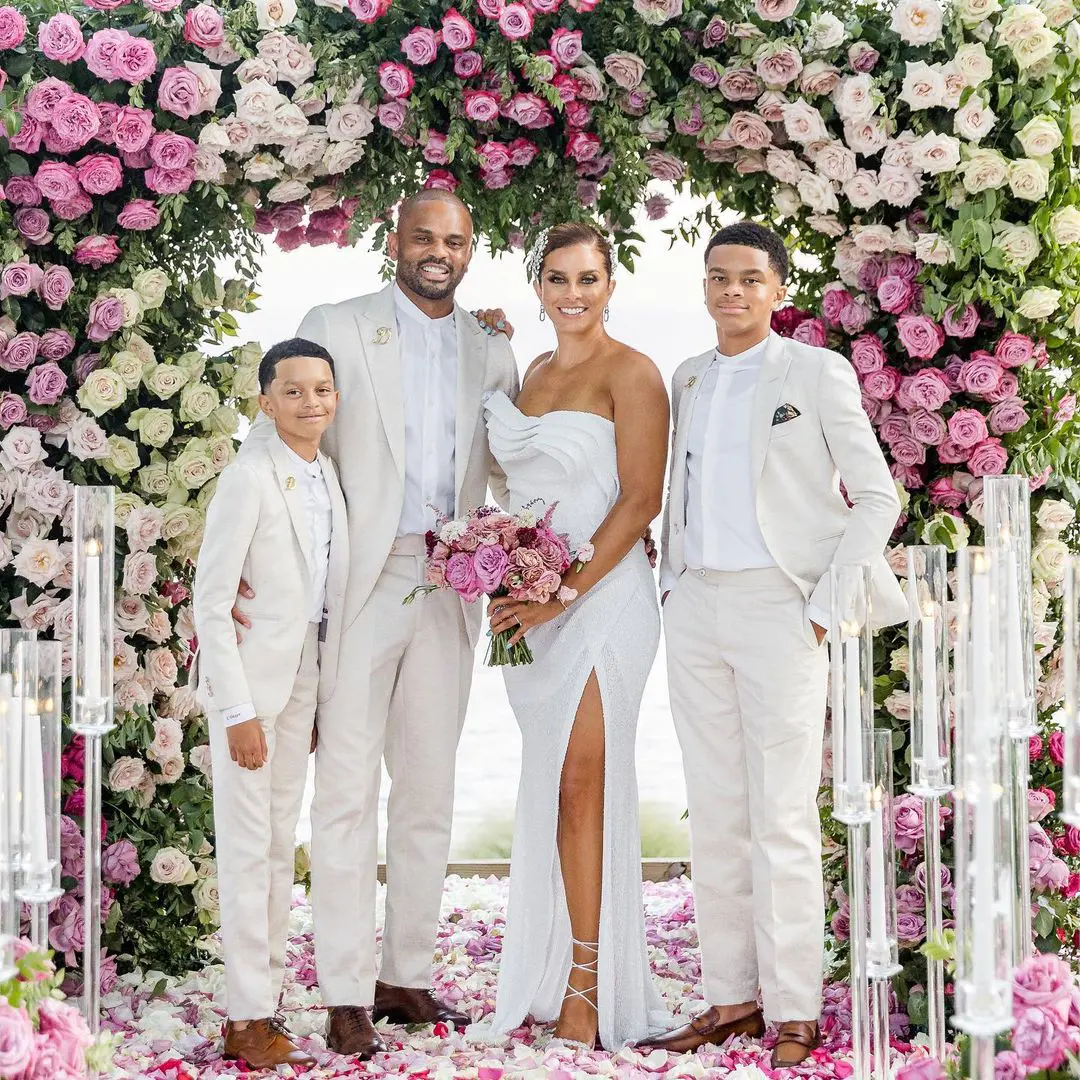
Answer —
168 738
164 380
866 137
1018 243
197 402
973 63
983 170
131 613
923 86
803 123
917 22
786 200
87 440
833 160
936 153
287 191
1054 515
255 68
974 119
274 13
263 166
256 102
1065 225
172 867
289 122
817 192
143 527
862 190
126 774
171 770
241 134
954 86
1048 560
872 239
826 224
210 168
102 391
900 660
214 138
1040 136
934 249
151 285
1028 179
1019 22
898 150
855 98
161 667
1039 302
974 12
39 561
1072 323
898 186
1031 53
341 156
1058 12
354 121
898 703
784 165
128 366
201 760
309 99
191 469
1040 601
826 32
297 65
140 572
307 151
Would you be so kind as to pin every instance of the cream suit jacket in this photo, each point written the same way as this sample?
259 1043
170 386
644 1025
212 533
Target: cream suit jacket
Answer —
367 438
257 529
797 466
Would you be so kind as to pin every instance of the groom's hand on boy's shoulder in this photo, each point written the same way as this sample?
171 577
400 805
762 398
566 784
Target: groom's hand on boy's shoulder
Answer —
494 321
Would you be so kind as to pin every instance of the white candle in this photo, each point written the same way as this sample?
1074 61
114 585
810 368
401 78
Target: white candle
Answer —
35 845
852 716
983 905
1014 671
878 931
931 738
91 637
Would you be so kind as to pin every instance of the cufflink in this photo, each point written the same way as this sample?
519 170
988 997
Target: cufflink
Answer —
382 335
290 483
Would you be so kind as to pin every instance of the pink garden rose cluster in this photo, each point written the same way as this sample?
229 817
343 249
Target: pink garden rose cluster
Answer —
492 553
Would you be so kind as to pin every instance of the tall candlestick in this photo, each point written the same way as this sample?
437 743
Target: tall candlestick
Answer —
878 929
36 858
853 715
931 747
92 637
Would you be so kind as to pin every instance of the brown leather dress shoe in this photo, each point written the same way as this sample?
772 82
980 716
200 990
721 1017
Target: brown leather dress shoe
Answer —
705 1029
795 1041
263 1044
349 1031
401 1005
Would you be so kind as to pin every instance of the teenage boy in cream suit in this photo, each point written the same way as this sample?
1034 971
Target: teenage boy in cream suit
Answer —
277 520
764 430
413 371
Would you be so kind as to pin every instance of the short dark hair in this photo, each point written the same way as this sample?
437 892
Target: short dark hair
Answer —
296 346
751 234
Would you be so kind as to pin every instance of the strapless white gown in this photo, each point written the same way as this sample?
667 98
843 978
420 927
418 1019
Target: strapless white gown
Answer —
569 458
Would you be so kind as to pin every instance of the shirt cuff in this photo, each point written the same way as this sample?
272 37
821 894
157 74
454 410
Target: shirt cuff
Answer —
816 615
667 582
238 714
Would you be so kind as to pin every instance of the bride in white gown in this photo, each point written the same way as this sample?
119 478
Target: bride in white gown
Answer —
589 433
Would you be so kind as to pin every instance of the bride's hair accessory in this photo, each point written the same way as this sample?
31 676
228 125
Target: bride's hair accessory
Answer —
535 259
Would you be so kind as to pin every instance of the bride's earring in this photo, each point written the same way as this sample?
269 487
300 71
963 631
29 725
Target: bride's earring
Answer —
607 314
543 313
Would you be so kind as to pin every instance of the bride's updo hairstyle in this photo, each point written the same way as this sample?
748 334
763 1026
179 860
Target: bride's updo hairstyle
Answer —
568 234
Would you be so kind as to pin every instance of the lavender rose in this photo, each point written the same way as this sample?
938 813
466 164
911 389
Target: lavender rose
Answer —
1008 416
461 577
920 336
46 384
895 294
20 352
490 563
967 427
55 344
962 323
56 286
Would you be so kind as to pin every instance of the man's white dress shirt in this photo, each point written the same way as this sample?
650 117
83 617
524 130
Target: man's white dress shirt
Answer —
722 531
312 485
429 369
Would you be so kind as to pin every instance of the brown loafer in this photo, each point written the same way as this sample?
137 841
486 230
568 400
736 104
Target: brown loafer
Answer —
263 1044
704 1030
349 1031
795 1041
403 1005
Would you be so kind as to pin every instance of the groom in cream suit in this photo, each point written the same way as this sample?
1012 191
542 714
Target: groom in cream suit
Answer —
409 438
764 430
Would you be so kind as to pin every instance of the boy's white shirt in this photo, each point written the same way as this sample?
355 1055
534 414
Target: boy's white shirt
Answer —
258 528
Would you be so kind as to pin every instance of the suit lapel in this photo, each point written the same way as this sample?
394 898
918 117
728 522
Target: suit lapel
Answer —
290 484
470 386
683 419
339 550
379 340
774 367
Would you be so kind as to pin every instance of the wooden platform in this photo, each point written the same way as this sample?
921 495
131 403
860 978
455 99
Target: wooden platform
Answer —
651 869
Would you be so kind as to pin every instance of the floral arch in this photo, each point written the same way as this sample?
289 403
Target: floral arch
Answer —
923 157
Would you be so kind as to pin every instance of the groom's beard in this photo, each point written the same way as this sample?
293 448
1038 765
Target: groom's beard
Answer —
411 275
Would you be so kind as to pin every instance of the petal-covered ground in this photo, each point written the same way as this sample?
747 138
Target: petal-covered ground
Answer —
170 1028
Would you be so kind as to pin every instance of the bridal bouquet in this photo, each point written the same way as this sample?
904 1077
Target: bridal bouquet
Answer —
492 553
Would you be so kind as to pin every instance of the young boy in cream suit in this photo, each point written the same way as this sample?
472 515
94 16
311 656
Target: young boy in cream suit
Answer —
277 520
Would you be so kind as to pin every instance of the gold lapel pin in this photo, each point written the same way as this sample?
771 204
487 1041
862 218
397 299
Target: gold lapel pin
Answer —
690 382
382 335
290 483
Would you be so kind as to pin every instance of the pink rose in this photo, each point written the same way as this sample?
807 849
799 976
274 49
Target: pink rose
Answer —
12 28
96 251
420 46
863 57
522 152
565 45
967 427
76 119
1008 387
833 303
1040 802
949 453
664 166
169 181
1014 350
20 278
457 32
896 425
481 106
740 84
583 146
120 863
775 10
927 389
105 317
496 179
42 99
906 451
1039 1039
46 384
490 563
811 332
928 427
55 344
435 147
920 336
99 174
441 180
1008 416
102 51
395 79
881 385
56 286
943 493
136 60
33 224
895 294
461 577
133 128
20 352
60 38
988 458
468 64
963 323
515 22
1056 747
528 110
391 114
57 180
867 354
204 27
981 374
139 215
171 151
16 1030
23 191
178 91
12 410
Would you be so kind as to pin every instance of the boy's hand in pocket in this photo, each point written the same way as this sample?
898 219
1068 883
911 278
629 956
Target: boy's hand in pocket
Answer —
247 744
